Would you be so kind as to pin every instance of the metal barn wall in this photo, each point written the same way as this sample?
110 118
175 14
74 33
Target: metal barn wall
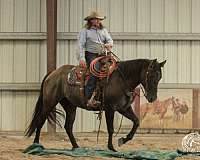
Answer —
23 45
21 61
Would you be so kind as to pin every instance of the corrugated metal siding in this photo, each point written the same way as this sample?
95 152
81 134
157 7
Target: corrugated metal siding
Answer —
195 65
157 14
24 61
195 16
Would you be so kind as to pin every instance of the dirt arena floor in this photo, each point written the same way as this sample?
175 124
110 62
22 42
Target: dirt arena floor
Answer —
11 147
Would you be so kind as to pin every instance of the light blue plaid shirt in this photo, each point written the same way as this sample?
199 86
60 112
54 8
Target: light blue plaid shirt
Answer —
91 40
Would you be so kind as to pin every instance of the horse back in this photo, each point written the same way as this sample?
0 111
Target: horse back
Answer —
56 82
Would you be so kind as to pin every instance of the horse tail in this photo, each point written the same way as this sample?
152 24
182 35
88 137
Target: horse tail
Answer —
37 113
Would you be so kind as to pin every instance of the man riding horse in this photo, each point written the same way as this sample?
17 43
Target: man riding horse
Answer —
92 42
55 87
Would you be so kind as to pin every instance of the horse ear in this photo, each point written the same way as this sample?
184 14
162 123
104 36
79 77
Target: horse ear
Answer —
155 60
162 63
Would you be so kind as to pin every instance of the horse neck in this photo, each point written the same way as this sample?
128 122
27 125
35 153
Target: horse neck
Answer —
133 70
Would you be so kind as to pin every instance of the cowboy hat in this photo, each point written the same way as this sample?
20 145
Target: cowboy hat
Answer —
94 14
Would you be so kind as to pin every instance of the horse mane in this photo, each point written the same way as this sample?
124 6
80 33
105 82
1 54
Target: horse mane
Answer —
130 66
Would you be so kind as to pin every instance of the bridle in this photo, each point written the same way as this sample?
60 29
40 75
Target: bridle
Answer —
144 89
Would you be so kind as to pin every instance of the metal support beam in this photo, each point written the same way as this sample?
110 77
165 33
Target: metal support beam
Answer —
36 86
39 36
51 44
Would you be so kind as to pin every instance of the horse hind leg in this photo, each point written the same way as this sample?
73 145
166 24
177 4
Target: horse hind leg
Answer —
42 120
69 121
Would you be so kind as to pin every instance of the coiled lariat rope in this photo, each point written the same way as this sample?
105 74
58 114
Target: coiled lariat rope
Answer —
109 69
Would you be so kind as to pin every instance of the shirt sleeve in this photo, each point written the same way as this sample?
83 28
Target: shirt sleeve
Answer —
81 44
108 37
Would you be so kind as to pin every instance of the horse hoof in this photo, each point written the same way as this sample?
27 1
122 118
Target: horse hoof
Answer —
112 149
120 142
75 147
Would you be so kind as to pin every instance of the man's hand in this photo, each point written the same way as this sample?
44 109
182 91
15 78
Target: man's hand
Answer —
108 46
82 63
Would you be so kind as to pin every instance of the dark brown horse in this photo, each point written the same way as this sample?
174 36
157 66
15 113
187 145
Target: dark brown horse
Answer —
129 74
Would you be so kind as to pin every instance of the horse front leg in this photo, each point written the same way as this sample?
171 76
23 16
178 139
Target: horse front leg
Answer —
109 121
130 115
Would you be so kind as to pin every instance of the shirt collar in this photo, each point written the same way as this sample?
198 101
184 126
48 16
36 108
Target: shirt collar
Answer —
94 28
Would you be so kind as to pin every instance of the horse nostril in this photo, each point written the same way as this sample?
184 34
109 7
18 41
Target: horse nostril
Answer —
150 99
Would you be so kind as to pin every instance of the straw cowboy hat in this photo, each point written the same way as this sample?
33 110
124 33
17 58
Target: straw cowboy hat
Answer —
94 14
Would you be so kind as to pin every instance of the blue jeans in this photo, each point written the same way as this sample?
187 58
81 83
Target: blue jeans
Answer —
91 84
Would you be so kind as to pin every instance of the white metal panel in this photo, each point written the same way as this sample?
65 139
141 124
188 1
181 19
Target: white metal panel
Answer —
195 65
130 15
195 16
143 18
184 16
43 16
33 55
20 15
43 60
76 17
103 6
170 16
6 51
19 58
157 15
130 50
33 15
1 113
116 16
73 53
118 49
19 105
63 15
88 121
63 53
78 125
8 116
157 51
1 61
171 68
143 49
184 62
88 6
6 15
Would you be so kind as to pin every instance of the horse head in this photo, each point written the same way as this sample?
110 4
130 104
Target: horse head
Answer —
150 79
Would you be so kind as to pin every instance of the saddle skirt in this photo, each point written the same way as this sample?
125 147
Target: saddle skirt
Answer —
77 75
